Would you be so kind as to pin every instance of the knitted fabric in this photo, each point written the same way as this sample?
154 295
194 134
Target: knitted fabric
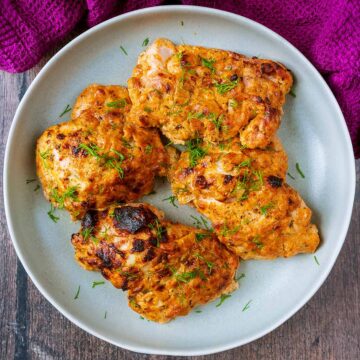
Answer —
327 32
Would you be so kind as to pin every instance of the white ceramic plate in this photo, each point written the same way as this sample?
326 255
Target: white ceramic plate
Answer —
313 132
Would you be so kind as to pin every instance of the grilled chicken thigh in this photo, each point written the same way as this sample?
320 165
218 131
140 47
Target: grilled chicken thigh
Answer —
98 157
191 91
243 192
166 268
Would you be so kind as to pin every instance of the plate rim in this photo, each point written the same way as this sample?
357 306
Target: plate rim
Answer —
209 349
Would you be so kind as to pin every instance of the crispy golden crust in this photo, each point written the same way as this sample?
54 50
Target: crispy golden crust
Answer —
190 91
167 269
243 192
98 158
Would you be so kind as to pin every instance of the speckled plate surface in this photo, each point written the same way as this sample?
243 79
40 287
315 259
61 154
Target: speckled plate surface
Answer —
313 132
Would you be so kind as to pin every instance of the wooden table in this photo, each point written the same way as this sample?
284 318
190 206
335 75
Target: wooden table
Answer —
328 327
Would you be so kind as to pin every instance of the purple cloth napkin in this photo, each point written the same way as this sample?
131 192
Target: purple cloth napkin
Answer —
327 32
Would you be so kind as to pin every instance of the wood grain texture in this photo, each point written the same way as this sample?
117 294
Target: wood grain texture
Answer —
328 327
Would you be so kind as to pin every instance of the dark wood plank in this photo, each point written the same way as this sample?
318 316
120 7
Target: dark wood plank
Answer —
327 327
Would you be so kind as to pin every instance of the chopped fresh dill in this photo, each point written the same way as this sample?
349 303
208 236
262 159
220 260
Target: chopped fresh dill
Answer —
44 155
198 311
223 88
233 103
147 109
70 193
265 208
200 236
182 23
96 283
316 260
200 222
247 306
67 109
209 264
216 120
52 215
105 315
187 276
111 162
223 297
29 181
126 143
195 151
123 50
141 318
209 63
37 187
151 192
299 170
195 115
160 231
77 293
292 177
241 276
148 149
86 232
145 42
225 231
118 104
257 242
171 200
292 93
245 163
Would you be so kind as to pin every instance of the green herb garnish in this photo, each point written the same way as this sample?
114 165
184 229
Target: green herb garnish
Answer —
118 104
86 232
37 187
171 200
111 162
159 231
200 236
123 50
198 311
44 155
195 115
292 177
148 149
225 231
29 181
145 42
257 242
241 276
299 170
233 103
247 306
67 109
209 264
316 260
182 23
216 120
77 293
200 222
223 297
265 208
105 315
52 215
209 64
292 93
186 277
96 283
195 151
223 88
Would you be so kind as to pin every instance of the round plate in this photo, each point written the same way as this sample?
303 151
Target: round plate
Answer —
313 132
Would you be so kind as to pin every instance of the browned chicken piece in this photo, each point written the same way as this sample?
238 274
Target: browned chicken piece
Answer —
191 91
102 99
166 268
243 192
98 157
